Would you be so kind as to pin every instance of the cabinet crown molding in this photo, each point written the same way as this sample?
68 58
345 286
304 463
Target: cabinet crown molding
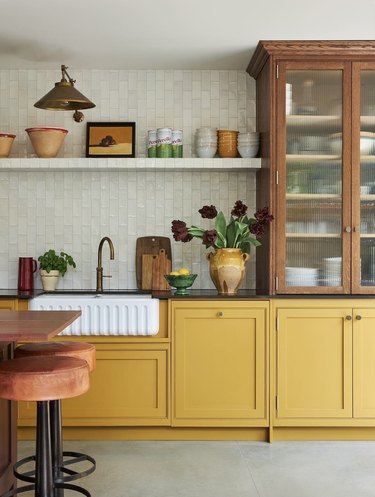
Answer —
305 48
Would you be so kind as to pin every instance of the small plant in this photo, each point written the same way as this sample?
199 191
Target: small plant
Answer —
50 261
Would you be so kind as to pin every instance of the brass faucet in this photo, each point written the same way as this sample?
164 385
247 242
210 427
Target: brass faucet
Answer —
99 269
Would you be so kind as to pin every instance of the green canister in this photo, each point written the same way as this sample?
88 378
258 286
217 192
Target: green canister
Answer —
151 145
164 142
177 146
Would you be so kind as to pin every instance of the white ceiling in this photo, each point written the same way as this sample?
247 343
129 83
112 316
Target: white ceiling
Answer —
166 34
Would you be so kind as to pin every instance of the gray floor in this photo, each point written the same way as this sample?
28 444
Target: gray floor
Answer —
227 469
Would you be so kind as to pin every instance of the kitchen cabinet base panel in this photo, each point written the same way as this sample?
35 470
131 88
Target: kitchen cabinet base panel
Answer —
154 433
324 433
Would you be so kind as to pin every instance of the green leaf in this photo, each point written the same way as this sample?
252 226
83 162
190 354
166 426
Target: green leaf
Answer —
231 234
221 224
245 247
197 232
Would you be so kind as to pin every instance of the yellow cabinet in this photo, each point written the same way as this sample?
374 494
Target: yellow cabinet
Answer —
364 363
13 305
324 363
219 361
129 387
314 363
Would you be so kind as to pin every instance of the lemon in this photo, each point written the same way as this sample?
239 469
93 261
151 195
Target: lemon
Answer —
183 271
174 273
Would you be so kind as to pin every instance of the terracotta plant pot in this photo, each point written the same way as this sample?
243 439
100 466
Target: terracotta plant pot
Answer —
49 280
6 142
227 269
46 141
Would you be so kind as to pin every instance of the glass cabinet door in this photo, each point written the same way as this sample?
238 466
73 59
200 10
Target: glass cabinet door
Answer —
364 178
311 233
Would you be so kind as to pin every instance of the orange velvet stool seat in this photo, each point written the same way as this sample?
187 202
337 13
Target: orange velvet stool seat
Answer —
44 379
62 461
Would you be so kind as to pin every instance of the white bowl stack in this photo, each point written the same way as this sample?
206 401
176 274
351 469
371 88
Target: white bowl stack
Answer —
206 142
301 276
332 271
248 144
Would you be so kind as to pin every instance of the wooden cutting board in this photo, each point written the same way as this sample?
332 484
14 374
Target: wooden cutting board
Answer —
150 245
161 266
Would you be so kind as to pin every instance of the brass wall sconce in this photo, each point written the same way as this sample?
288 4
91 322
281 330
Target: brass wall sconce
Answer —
64 96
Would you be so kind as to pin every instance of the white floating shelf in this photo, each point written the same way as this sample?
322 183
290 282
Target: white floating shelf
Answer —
141 164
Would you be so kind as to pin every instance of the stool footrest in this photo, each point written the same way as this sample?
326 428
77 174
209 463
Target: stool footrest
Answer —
68 474
66 486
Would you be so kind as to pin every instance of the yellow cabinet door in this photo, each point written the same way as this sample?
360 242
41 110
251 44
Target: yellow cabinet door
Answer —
129 387
314 365
364 363
219 363
8 304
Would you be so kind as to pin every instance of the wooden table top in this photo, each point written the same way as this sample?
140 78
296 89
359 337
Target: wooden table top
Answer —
34 325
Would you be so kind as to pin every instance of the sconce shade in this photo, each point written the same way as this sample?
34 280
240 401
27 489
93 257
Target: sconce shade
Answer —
64 96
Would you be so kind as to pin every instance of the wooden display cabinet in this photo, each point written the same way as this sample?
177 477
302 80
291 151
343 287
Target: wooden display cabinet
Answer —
316 118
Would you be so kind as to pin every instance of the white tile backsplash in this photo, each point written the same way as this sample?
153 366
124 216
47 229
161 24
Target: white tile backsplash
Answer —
73 210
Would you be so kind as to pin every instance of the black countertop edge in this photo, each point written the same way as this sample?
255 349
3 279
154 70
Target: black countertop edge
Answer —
193 294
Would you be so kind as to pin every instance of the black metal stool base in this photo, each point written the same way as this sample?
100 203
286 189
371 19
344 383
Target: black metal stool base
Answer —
63 486
66 474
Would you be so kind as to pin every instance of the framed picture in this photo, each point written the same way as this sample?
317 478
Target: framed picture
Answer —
110 140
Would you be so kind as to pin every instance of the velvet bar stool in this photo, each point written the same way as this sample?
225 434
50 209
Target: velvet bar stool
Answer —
60 463
44 379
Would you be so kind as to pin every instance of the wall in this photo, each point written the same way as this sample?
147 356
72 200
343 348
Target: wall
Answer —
73 210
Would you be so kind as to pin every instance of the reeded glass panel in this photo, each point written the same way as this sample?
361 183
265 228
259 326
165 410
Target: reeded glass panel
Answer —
367 183
313 226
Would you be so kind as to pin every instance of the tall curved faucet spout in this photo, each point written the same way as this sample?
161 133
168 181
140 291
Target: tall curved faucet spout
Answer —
99 269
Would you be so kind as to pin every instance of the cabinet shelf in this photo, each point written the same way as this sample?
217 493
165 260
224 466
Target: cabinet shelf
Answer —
138 164
314 196
312 159
313 235
318 123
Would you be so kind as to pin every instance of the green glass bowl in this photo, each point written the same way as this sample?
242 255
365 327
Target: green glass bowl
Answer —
181 282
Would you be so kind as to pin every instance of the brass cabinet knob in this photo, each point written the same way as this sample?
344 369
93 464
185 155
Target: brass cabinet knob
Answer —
348 318
358 317
348 229
220 314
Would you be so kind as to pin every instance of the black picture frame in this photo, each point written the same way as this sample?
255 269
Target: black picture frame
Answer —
110 139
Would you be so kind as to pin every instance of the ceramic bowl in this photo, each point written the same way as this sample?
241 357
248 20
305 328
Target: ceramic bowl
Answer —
248 150
6 142
181 282
367 143
46 141
206 151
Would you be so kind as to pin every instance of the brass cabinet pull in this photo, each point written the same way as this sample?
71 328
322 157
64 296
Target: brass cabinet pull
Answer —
348 318
220 314
348 229
358 317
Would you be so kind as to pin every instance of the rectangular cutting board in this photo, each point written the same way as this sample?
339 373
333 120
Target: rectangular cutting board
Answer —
150 245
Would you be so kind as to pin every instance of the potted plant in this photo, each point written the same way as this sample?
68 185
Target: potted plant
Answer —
231 241
51 266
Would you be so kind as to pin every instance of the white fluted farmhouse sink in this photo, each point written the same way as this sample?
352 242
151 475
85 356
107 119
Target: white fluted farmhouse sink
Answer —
104 314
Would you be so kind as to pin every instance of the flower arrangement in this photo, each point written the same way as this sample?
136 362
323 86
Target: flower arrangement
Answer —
240 232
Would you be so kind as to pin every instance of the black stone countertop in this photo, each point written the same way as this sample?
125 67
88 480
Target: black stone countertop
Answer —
193 294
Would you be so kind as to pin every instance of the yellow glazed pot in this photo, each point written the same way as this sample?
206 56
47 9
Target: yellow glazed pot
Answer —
227 269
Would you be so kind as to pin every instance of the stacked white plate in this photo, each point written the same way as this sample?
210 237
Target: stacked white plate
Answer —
332 271
248 144
301 276
206 142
